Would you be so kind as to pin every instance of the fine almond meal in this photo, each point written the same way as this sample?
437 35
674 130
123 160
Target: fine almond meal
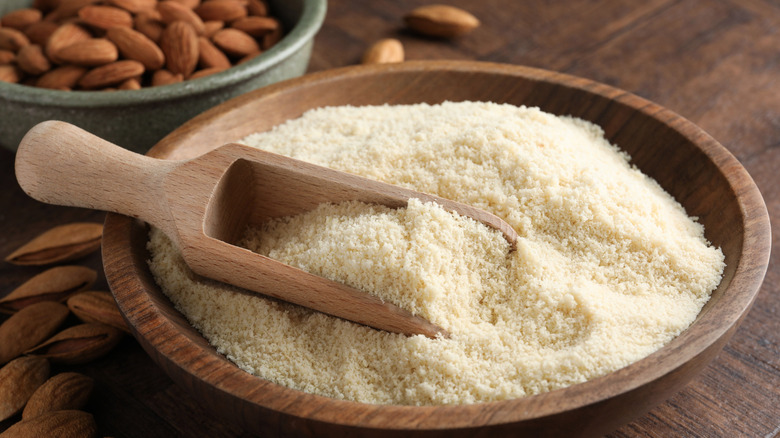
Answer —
608 266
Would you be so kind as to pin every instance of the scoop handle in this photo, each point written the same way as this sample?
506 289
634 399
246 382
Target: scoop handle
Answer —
59 163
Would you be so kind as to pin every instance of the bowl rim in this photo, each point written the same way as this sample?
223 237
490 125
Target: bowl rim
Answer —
310 21
720 321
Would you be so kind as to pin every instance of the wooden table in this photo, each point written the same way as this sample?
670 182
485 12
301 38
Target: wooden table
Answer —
716 63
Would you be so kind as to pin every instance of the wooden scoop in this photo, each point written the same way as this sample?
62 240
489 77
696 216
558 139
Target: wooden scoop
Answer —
207 203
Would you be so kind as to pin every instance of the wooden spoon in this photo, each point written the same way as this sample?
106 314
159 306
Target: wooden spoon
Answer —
206 204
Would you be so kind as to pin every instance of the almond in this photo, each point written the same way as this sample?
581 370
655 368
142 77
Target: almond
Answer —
105 17
179 43
148 25
32 60
18 380
235 42
64 36
29 327
134 6
192 4
258 8
164 77
384 51
205 72
12 39
271 38
7 57
212 27
61 78
67 9
172 11
256 26
210 56
225 10
89 53
68 423
61 392
135 45
59 244
39 32
95 306
21 18
79 344
10 73
55 284
130 84
111 74
441 21
45 5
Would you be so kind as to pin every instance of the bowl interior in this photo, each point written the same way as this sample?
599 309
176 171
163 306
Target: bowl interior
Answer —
690 165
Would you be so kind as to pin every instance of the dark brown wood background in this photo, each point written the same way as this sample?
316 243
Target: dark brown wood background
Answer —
715 62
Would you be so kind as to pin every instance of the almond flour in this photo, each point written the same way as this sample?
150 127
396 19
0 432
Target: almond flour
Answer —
608 269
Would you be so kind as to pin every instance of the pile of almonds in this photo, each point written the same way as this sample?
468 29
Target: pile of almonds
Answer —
54 319
129 44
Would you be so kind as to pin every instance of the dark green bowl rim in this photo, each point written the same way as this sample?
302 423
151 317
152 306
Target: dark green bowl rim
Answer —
312 17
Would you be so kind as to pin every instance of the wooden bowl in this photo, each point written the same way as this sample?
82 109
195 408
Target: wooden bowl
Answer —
689 164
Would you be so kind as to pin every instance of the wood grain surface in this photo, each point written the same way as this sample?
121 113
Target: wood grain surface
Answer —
714 62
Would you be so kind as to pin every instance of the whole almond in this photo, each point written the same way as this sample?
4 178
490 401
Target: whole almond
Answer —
65 424
134 6
55 284
384 51
67 9
258 8
105 17
59 244
61 78
235 42
179 43
32 60
21 18
148 25
12 39
10 73
7 57
164 77
96 306
172 11
111 74
65 35
61 392
256 26
130 84
212 27
39 32
210 56
29 327
135 45
89 53
441 21
18 380
225 10
79 344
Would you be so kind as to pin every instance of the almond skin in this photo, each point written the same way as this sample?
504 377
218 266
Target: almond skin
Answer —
134 6
7 57
256 26
89 53
32 60
441 21
95 306
210 56
137 46
10 73
12 39
235 42
21 18
61 392
39 32
18 381
165 77
55 284
384 51
105 17
79 344
172 11
59 244
55 424
65 35
179 43
29 327
224 10
111 74
61 78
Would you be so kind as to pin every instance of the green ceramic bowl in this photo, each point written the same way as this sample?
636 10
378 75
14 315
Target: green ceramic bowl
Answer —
137 119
